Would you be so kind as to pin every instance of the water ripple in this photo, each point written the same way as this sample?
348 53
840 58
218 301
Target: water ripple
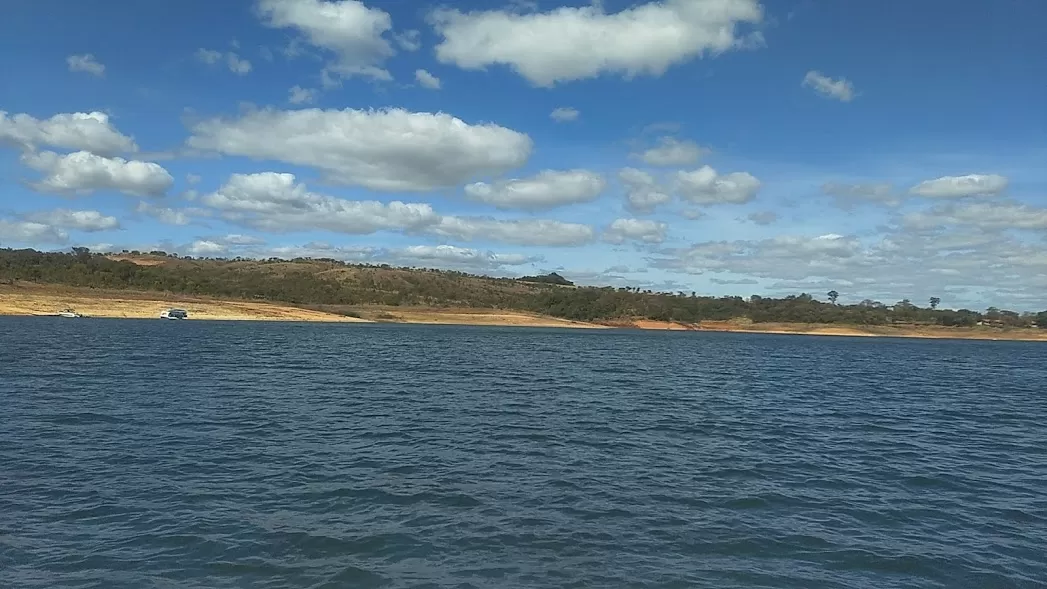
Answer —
214 455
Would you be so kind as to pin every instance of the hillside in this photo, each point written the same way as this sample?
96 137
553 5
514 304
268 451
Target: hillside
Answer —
337 288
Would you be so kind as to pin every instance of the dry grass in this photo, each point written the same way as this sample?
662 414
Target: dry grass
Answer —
46 300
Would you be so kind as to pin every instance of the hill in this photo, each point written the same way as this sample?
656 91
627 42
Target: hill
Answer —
340 288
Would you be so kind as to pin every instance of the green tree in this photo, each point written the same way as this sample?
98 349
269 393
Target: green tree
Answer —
935 301
833 295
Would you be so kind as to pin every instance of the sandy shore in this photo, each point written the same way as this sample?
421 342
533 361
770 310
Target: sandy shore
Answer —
32 299
439 316
922 332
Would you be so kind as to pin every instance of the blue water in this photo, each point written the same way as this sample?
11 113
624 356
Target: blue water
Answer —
210 455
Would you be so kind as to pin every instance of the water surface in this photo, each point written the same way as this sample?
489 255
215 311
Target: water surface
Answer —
211 455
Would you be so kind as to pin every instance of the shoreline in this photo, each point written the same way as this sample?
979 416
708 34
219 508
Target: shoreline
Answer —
32 300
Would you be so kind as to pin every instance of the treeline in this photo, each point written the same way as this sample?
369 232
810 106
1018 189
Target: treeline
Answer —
332 282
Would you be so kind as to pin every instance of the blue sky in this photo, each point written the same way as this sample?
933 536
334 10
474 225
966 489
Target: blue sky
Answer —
885 150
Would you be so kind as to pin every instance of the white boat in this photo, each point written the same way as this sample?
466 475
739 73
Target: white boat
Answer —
70 314
174 314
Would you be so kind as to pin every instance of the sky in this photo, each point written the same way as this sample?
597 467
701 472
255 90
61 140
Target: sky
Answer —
886 150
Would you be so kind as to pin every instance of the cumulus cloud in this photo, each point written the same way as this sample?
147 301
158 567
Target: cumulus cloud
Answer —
30 232
764 258
91 132
986 216
299 95
575 43
961 186
85 63
350 30
391 149
705 186
82 173
430 256
165 215
646 231
846 196
916 262
79 220
207 248
643 193
546 190
541 232
426 80
839 89
672 152
275 202
452 256
234 62
410 40
564 114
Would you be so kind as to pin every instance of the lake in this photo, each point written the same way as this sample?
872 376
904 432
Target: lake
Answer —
211 455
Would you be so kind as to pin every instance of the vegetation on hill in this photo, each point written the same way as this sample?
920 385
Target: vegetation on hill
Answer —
332 282
550 278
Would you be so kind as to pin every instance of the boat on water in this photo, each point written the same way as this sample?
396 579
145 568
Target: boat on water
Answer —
69 313
174 314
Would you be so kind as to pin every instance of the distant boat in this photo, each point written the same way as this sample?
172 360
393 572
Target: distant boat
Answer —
70 314
174 314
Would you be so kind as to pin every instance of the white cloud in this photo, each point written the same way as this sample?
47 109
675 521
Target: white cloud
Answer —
207 248
840 89
82 172
85 63
237 64
546 190
208 56
846 196
986 216
409 40
299 95
165 215
427 80
391 149
275 202
909 262
961 186
571 43
622 230
347 28
564 114
30 232
234 62
453 256
193 178
78 220
705 186
240 239
784 257
520 232
673 152
763 217
81 131
643 193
